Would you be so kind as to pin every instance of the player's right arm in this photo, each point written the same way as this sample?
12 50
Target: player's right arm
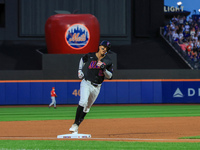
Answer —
82 62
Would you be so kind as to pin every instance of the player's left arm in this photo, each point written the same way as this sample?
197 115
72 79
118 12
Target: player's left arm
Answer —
107 68
108 72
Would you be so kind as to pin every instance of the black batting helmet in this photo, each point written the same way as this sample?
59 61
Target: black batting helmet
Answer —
106 43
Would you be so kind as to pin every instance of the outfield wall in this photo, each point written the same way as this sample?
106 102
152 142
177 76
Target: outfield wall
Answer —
112 92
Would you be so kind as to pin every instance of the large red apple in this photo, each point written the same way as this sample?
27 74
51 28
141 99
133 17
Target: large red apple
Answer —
72 34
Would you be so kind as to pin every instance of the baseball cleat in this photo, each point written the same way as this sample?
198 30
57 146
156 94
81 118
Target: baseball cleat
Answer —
74 129
75 132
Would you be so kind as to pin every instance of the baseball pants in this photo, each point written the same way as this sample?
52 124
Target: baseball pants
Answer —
88 94
53 99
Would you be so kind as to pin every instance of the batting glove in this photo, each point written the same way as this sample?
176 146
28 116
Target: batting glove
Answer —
80 74
101 65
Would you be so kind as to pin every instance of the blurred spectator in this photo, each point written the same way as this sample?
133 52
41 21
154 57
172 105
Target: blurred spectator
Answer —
192 32
184 45
194 20
175 36
194 45
198 43
172 28
182 27
190 20
180 36
187 27
193 56
196 26
175 20
195 38
198 32
181 21
198 47
189 48
166 30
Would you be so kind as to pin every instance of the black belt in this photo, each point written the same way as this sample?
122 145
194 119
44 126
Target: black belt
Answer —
94 84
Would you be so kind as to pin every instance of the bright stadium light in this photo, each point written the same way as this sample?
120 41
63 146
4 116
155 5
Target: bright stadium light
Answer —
179 3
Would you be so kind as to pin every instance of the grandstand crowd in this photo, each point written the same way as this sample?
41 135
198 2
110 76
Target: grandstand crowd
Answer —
184 35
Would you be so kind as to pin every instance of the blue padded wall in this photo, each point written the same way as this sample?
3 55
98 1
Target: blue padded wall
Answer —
112 92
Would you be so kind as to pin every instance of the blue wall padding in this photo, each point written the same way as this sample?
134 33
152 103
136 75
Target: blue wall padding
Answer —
24 93
123 92
135 92
61 88
114 92
3 94
71 86
147 92
11 93
108 92
36 93
157 92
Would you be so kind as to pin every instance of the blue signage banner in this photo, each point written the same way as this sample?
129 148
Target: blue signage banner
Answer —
181 92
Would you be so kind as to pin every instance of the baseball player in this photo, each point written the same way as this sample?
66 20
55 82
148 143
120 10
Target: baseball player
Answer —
53 98
93 68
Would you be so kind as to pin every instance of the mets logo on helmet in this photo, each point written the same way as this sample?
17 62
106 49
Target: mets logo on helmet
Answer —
77 36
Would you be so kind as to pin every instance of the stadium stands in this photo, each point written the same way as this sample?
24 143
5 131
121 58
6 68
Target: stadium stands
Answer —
184 35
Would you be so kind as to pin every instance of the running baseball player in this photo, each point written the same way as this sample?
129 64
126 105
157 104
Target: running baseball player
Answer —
53 98
93 68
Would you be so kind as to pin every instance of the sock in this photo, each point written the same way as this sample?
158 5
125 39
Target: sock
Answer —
79 113
82 117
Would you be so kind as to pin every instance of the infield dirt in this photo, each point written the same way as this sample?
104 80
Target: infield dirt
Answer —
165 129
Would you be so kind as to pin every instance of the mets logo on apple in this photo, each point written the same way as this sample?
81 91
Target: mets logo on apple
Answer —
77 36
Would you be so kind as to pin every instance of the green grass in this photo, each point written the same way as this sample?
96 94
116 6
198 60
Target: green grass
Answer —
97 112
93 145
190 137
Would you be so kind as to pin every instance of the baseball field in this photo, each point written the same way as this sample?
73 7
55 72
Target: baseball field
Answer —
138 127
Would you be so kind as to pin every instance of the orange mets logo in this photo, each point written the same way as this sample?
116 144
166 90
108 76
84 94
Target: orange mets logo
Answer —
77 36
